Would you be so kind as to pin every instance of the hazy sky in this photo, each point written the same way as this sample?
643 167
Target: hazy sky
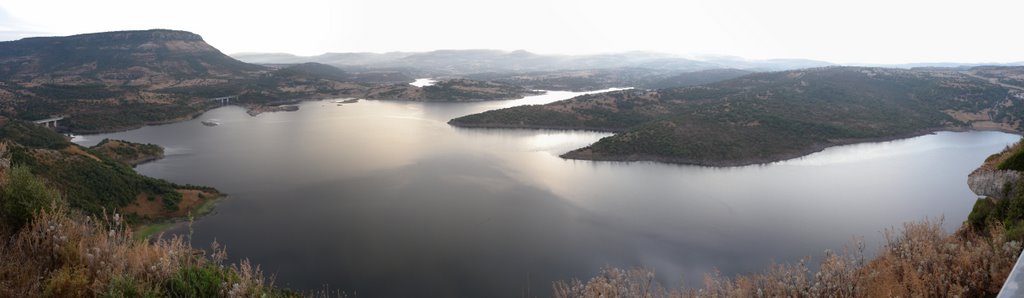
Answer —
852 31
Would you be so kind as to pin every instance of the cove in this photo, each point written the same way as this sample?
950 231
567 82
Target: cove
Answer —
384 199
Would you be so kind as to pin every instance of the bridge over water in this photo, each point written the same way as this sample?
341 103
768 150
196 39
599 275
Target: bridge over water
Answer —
50 122
225 99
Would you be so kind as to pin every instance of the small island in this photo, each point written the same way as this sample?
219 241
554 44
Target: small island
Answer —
126 152
254 110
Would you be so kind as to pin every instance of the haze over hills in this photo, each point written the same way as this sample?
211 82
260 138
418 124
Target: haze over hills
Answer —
462 62
548 72
596 79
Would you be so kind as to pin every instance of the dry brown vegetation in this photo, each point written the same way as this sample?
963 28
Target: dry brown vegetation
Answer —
918 260
993 161
63 254
147 206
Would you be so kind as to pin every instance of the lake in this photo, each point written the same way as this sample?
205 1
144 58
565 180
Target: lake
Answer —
384 199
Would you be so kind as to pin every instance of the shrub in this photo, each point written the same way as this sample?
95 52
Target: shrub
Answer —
980 214
67 282
1015 162
200 281
126 286
23 195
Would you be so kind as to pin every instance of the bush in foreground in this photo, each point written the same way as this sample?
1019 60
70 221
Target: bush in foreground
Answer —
919 260
22 195
60 253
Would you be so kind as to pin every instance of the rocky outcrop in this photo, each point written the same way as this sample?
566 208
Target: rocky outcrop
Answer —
994 181
996 184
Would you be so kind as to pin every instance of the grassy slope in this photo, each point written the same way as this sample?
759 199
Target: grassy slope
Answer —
88 180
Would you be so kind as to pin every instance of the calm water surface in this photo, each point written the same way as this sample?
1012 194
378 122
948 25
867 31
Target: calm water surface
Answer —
386 200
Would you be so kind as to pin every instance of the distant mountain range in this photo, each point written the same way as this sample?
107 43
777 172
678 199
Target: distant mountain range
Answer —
957 65
463 62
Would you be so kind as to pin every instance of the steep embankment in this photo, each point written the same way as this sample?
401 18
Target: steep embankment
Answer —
1000 184
766 117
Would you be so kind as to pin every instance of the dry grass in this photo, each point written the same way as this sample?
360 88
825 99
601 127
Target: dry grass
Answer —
918 260
993 161
78 151
62 254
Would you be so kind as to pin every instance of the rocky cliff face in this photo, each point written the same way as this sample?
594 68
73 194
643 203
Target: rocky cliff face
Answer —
996 184
989 181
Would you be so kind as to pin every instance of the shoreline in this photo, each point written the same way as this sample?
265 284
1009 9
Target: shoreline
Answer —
269 108
583 154
433 100
531 127
134 127
148 225
135 163
145 230
577 155
193 116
